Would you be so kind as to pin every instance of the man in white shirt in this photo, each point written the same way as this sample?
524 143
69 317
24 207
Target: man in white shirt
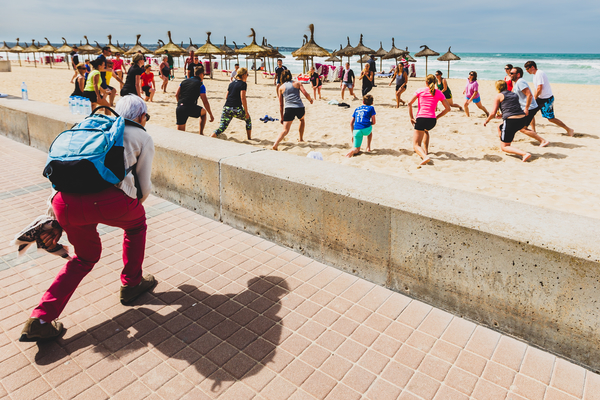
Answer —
543 95
526 100
234 72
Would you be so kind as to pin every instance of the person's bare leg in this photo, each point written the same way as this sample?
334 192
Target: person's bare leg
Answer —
249 133
426 142
112 97
369 142
532 124
507 148
301 130
417 139
284 132
481 107
152 91
399 96
181 127
353 152
352 93
454 105
397 99
558 122
343 89
534 135
466 108
202 121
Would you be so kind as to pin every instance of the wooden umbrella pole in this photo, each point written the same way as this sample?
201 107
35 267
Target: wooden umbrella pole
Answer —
448 69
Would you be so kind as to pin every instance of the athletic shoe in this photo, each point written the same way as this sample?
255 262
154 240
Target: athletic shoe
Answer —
35 331
130 293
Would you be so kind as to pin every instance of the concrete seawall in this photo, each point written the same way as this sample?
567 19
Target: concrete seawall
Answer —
526 271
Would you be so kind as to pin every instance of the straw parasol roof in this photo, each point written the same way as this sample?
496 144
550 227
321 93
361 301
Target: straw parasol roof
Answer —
208 50
426 52
408 56
253 48
47 48
87 48
337 52
333 59
365 58
346 51
191 47
138 47
226 49
113 48
123 48
171 47
32 48
361 49
17 49
449 56
311 49
381 52
5 49
65 48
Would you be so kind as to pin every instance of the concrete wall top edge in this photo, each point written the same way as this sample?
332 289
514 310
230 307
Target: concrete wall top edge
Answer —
54 111
555 230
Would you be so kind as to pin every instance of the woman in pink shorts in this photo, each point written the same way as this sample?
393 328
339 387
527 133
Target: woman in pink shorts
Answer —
428 96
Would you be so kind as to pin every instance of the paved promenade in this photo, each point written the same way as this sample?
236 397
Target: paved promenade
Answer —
238 317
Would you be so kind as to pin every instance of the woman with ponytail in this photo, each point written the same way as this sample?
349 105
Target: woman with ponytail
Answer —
428 97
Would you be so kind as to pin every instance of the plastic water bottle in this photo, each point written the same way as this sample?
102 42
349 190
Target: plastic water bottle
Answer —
24 93
72 104
88 106
80 106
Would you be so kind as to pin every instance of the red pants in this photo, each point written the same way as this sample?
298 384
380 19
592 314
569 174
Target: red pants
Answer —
79 215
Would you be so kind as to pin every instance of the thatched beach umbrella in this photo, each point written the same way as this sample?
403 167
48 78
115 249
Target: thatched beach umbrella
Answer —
191 47
113 48
346 51
137 48
426 52
361 49
123 48
87 48
171 47
449 56
311 49
32 49
17 49
5 49
208 50
235 49
226 50
333 59
381 53
394 53
48 48
253 49
66 50
408 56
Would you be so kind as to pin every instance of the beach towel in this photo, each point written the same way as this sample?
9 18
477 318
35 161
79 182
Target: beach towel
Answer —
31 234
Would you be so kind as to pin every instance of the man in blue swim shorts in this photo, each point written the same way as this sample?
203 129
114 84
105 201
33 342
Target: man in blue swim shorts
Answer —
362 123
543 95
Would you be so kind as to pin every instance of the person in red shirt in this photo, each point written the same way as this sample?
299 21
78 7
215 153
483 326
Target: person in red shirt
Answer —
508 78
148 84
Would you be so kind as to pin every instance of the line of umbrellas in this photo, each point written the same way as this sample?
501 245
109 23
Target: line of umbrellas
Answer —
253 51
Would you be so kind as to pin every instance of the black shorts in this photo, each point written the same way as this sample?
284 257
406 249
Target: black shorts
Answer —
399 86
184 112
510 127
91 95
425 124
527 119
126 90
146 89
290 113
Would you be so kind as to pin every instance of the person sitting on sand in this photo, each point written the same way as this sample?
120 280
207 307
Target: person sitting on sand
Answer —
236 105
93 85
514 121
294 108
401 77
187 101
361 124
79 81
367 78
543 95
348 81
428 97
471 93
316 82
164 72
148 83
442 85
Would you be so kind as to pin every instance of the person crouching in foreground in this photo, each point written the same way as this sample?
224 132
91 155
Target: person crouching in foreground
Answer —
116 206
187 100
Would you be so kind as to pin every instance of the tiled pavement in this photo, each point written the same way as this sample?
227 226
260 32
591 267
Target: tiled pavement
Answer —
237 317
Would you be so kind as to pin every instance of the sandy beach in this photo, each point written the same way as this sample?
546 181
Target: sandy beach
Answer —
466 155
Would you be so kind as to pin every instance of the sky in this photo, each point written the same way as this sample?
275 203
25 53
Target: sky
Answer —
535 26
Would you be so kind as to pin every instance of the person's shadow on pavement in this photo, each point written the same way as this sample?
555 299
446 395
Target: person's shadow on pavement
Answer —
238 332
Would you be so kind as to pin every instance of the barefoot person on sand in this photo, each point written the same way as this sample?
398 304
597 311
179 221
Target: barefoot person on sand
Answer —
401 77
543 95
367 77
362 123
526 100
236 105
315 82
472 94
514 120
164 72
187 101
426 119
93 85
133 82
442 85
294 108
348 81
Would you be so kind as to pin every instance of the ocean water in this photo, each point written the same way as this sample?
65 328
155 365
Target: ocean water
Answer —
560 68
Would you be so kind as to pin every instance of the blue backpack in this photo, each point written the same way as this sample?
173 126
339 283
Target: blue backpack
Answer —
88 158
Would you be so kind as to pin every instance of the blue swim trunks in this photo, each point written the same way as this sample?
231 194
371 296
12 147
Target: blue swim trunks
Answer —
547 107
475 100
359 134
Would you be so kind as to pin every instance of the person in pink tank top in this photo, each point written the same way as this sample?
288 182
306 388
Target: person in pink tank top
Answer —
426 120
